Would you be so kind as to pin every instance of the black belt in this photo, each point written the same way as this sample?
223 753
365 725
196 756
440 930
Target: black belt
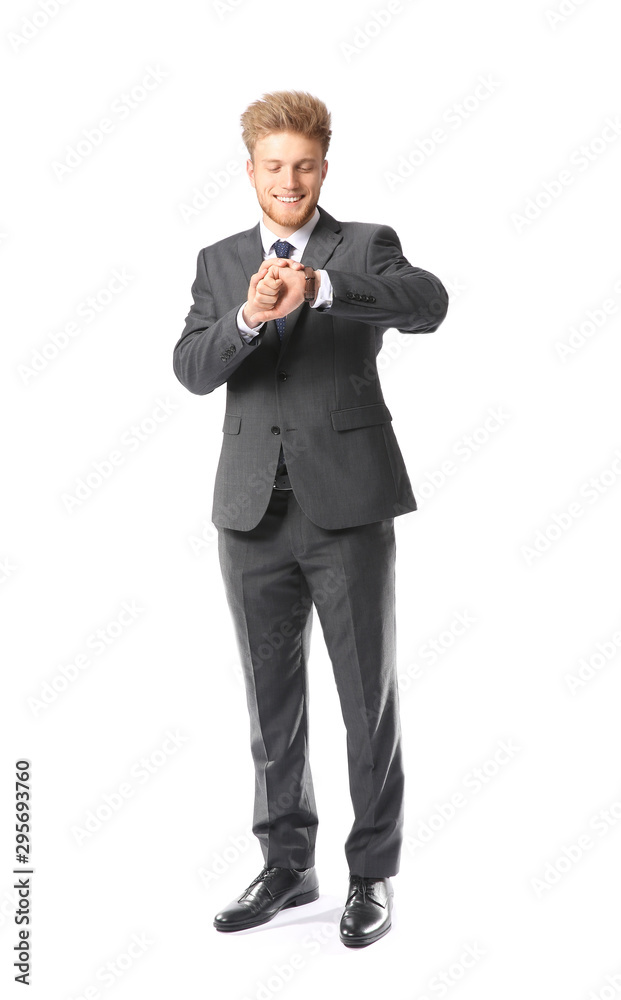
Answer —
281 481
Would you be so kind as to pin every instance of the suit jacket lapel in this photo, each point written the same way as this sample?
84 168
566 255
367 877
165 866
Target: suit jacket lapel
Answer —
324 238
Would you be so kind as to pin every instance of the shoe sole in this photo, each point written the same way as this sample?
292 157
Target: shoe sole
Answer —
362 942
305 897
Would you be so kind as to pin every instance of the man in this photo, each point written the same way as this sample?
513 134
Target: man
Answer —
291 314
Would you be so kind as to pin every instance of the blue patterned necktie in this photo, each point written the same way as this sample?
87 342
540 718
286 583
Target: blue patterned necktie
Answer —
283 249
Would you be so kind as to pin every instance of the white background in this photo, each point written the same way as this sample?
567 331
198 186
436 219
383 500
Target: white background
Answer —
505 873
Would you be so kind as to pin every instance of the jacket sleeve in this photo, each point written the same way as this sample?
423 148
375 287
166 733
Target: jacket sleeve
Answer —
391 292
209 349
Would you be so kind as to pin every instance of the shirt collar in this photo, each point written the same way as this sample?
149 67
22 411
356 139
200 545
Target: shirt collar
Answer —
298 239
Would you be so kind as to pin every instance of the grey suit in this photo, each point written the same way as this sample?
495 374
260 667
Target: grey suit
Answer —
318 393
329 542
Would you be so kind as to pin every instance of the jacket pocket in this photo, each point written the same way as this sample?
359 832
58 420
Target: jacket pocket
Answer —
360 416
232 423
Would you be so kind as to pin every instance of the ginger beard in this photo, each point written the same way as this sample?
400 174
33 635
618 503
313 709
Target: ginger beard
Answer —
294 215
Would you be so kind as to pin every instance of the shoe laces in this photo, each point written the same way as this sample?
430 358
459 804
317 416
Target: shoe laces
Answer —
260 878
360 884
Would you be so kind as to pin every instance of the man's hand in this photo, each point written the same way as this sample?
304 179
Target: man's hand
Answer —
275 290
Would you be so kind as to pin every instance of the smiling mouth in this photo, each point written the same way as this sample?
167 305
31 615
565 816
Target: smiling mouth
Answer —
289 199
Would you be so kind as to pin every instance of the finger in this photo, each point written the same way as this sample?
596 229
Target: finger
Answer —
261 273
264 268
285 262
265 303
262 302
261 317
269 284
272 276
267 269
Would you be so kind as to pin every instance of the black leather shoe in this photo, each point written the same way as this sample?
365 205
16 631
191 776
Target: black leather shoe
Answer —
274 889
368 911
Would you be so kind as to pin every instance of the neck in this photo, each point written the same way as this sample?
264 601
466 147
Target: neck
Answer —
279 230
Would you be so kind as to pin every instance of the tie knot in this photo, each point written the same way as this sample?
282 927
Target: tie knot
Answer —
282 248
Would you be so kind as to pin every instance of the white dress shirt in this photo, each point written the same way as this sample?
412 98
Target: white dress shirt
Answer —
298 241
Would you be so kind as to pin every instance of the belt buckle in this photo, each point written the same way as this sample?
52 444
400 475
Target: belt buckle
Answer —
282 482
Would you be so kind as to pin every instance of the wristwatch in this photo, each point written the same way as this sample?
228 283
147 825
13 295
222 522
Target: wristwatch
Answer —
310 292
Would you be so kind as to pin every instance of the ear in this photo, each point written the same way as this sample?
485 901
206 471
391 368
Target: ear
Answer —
250 171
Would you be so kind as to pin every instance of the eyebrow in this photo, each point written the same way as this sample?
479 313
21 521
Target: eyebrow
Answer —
306 159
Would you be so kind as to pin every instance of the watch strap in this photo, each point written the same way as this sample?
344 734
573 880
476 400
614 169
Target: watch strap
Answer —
310 292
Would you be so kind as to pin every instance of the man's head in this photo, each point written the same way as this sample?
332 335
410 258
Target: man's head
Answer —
287 135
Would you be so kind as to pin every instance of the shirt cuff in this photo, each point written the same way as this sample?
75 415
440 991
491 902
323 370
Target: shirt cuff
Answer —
247 332
325 293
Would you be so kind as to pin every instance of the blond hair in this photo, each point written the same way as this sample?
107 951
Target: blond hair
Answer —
286 111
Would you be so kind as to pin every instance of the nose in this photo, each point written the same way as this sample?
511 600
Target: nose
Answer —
288 179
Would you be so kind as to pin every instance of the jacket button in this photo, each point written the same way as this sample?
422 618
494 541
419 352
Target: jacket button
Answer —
223 357
371 298
350 295
275 430
357 296
282 376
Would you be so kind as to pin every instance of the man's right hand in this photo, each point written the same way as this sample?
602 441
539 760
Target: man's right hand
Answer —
265 289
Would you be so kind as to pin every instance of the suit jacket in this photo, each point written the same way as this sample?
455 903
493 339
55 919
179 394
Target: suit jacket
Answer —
318 392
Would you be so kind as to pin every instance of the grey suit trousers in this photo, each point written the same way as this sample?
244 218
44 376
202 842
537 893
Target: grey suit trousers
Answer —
275 575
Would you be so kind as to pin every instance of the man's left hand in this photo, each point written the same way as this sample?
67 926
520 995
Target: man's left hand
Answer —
293 286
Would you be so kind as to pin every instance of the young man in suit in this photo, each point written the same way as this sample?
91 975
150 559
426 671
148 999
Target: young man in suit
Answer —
291 314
